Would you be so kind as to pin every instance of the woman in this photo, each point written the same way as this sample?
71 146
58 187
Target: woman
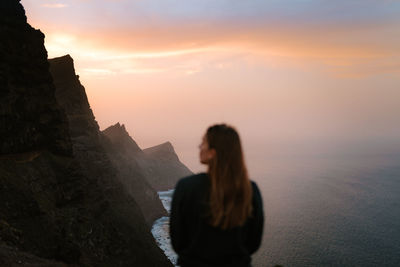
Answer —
217 217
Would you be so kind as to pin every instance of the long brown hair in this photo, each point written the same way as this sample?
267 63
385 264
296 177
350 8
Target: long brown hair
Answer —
230 188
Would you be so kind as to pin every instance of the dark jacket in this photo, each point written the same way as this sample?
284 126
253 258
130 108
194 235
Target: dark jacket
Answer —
199 244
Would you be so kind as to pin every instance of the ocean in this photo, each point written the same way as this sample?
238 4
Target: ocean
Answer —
160 229
323 211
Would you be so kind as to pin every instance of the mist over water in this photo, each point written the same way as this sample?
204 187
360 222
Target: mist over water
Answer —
330 211
326 209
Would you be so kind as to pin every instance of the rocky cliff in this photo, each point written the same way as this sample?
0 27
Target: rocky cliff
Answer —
98 155
29 114
71 96
58 202
163 166
159 164
121 139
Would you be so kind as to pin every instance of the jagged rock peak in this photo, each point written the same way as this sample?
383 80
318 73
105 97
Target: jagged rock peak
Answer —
71 95
116 129
64 65
30 117
165 168
12 11
164 148
119 136
64 58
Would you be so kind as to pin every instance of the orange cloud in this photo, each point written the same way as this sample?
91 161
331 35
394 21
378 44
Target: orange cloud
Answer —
55 5
342 50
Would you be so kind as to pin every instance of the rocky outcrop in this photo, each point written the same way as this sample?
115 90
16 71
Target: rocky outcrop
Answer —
164 151
159 164
97 154
10 257
53 210
163 166
121 139
29 114
71 96
59 200
123 152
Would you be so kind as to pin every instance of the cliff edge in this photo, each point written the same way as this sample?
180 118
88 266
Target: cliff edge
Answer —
160 164
56 202
97 154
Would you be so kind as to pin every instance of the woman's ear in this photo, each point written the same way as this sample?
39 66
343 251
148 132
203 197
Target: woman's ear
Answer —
212 153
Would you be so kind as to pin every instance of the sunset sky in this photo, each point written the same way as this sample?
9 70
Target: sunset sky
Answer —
299 75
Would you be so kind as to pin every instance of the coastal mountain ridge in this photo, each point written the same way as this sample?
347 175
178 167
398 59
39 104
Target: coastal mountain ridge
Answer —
63 199
121 138
98 155
71 96
29 114
164 149
159 164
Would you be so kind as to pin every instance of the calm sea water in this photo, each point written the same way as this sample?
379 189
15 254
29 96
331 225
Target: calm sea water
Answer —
324 211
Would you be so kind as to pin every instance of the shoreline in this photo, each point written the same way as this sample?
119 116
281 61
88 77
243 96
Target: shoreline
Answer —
160 228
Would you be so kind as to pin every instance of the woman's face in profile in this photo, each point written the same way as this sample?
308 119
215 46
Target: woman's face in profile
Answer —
206 154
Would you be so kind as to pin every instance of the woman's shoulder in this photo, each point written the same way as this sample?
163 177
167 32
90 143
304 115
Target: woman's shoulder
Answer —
192 180
256 190
253 184
192 186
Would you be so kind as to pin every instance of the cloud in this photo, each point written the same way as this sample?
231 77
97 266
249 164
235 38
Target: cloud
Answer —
346 37
100 72
55 5
143 71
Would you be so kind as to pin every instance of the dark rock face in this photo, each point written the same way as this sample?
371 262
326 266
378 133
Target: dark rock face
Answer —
55 205
29 115
10 257
52 210
121 139
123 152
164 151
71 96
96 153
163 166
159 164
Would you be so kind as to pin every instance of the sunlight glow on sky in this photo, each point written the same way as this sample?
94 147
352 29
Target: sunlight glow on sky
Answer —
297 72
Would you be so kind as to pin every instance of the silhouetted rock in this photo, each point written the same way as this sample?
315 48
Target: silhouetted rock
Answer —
164 151
96 153
11 257
56 206
159 164
123 152
29 114
71 96
164 167
54 211
121 139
